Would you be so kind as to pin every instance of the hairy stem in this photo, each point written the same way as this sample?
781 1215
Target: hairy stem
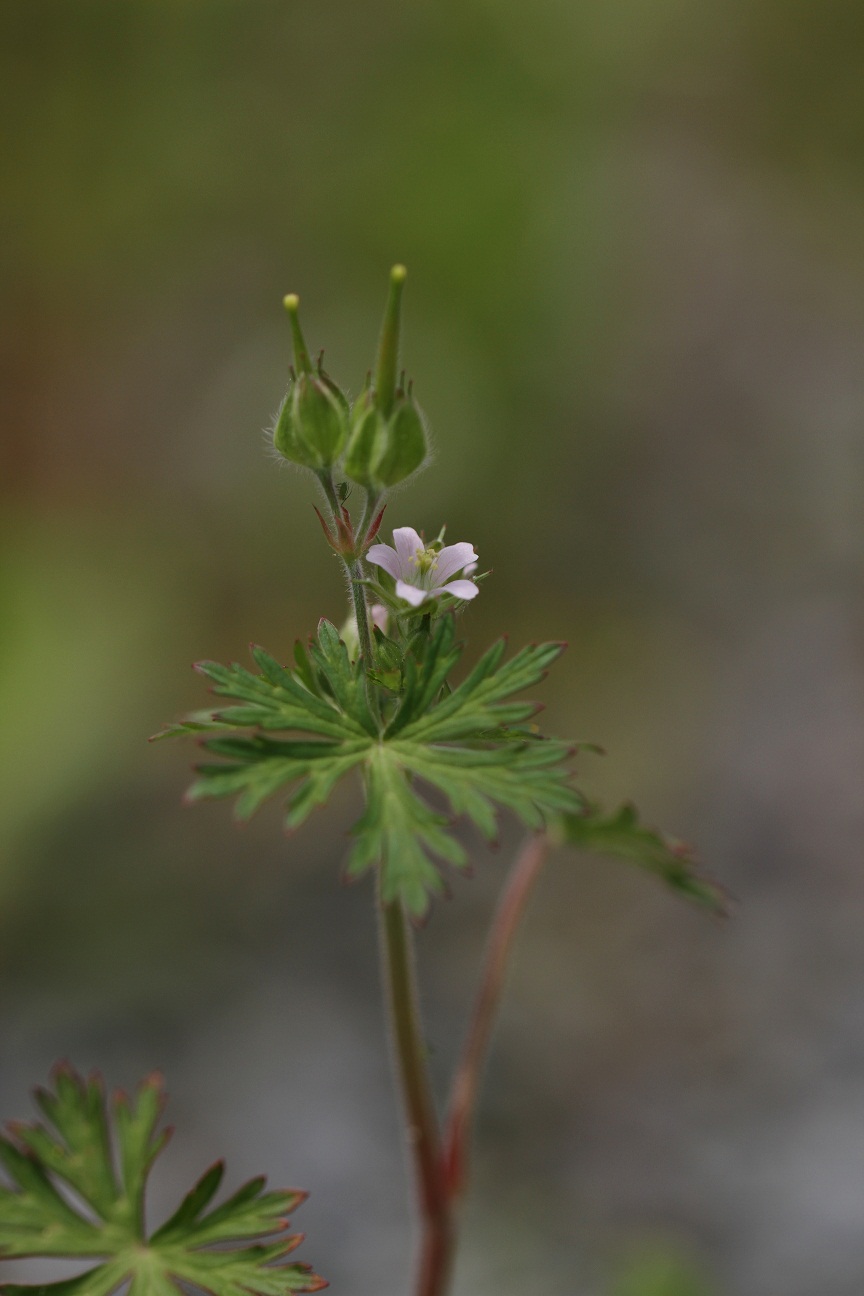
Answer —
358 594
327 485
424 1140
367 517
364 633
463 1095
354 572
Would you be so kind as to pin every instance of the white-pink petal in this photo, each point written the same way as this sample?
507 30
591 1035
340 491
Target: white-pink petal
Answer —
383 556
380 616
410 593
462 589
454 558
408 545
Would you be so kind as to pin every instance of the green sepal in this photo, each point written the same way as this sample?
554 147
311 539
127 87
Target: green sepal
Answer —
384 450
340 398
312 424
404 446
286 436
367 429
320 419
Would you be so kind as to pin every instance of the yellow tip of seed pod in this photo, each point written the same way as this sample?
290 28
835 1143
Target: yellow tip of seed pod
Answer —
398 274
291 302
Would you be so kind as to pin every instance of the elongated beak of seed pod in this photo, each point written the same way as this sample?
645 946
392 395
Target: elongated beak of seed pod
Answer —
302 360
388 345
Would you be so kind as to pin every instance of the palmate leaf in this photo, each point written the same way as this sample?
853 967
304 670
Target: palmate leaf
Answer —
107 1168
471 744
621 834
479 706
401 831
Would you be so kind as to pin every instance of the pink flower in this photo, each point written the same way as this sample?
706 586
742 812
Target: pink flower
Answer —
422 573
379 616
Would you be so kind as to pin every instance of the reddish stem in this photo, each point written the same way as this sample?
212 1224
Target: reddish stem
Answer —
463 1095
423 1136
440 1166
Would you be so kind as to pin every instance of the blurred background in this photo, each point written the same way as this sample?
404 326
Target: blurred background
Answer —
635 318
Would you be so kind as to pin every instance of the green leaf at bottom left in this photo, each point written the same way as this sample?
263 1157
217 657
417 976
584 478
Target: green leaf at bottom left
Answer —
100 1152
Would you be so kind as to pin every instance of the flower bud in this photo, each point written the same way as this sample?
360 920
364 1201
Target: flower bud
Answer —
312 423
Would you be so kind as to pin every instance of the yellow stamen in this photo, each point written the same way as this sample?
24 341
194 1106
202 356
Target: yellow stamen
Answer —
425 560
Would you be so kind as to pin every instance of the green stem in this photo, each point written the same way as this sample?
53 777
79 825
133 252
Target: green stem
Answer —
463 1095
354 572
328 486
367 517
364 633
424 1140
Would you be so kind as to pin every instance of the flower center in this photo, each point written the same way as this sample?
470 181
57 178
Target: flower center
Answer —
425 560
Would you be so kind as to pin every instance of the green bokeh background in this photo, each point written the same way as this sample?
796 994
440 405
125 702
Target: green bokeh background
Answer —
634 317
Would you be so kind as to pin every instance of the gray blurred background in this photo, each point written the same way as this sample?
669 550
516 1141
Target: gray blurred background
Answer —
635 318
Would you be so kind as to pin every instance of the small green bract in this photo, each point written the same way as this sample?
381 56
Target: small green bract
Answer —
76 1150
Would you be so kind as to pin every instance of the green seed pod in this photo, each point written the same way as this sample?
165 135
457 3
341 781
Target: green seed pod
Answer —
404 446
334 391
320 420
382 452
388 439
285 437
312 424
367 428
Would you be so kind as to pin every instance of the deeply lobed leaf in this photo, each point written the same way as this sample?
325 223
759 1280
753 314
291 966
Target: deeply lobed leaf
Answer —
103 1151
621 833
471 744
